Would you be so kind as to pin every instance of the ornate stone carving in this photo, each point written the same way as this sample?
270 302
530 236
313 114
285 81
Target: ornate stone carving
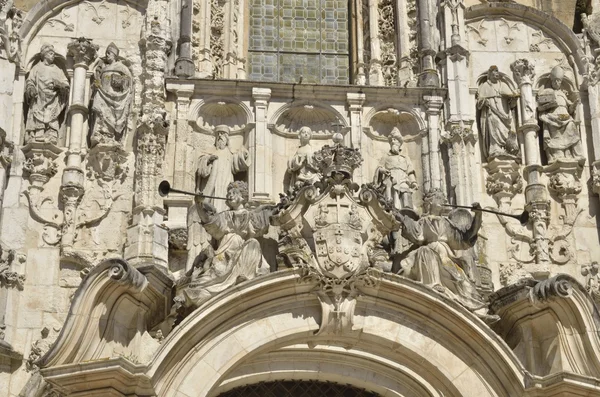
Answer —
216 171
438 258
40 163
10 278
112 99
395 174
96 9
496 101
302 169
504 179
40 346
46 93
479 31
238 255
557 108
510 27
11 20
217 41
62 19
387 35
592 281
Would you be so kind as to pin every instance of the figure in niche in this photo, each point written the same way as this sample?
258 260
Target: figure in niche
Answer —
436 259
46 93
395 172
214 174
561 136
496 100
302 168
112 99
238 255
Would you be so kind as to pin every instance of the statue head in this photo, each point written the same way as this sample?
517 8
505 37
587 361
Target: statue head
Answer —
221 136
237 194
47 53
305 134
493 74
395 140
112 52
556 77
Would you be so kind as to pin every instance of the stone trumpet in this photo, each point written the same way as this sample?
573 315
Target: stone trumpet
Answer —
164 188
522 217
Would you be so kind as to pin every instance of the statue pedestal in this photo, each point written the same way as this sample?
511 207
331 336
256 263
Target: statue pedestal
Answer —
147 238
565 185
40 162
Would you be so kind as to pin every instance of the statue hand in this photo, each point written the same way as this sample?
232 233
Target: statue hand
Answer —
476 206
212 158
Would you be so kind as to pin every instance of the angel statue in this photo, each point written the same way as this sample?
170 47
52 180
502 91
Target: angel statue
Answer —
437 260
112 98
46 93
237 256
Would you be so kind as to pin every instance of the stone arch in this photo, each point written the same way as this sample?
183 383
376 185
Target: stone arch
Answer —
205 115
403 326
287 120
380 120
554 28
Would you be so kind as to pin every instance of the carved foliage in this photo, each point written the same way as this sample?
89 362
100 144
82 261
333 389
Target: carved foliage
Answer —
387 34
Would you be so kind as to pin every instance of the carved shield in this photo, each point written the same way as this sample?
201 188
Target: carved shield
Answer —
338 250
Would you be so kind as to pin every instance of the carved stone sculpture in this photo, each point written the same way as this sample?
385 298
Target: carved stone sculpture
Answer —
215 171
495 100
214 174
112 99
302 168
11 20
46 92
436 260
561 135
238 255
395 172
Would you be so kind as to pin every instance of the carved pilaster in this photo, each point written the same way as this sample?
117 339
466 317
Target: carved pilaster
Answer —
11 20
433 109
147 237
261 154
355 103
459 140
538 206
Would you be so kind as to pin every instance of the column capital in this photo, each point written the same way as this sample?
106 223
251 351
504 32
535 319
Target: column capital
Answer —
261 95
83 51
355 100
433 103
523 71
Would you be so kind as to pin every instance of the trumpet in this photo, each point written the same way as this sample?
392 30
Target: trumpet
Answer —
164 188
523 217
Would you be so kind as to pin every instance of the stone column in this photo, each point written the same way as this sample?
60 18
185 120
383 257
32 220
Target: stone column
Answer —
83 52
202 23
184 66
375 72
182 177
433 109
147 237
358 33
261 155
355 103
402 38
428 76
536 195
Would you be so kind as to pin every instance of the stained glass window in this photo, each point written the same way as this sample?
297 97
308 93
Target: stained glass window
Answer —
293 39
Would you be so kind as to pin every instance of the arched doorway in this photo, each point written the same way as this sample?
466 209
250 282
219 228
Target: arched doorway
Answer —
298 388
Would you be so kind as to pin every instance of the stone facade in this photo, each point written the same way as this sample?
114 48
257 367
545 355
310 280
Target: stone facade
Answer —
317 156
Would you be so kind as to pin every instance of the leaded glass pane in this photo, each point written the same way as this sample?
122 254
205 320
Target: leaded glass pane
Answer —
290 39
263 66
